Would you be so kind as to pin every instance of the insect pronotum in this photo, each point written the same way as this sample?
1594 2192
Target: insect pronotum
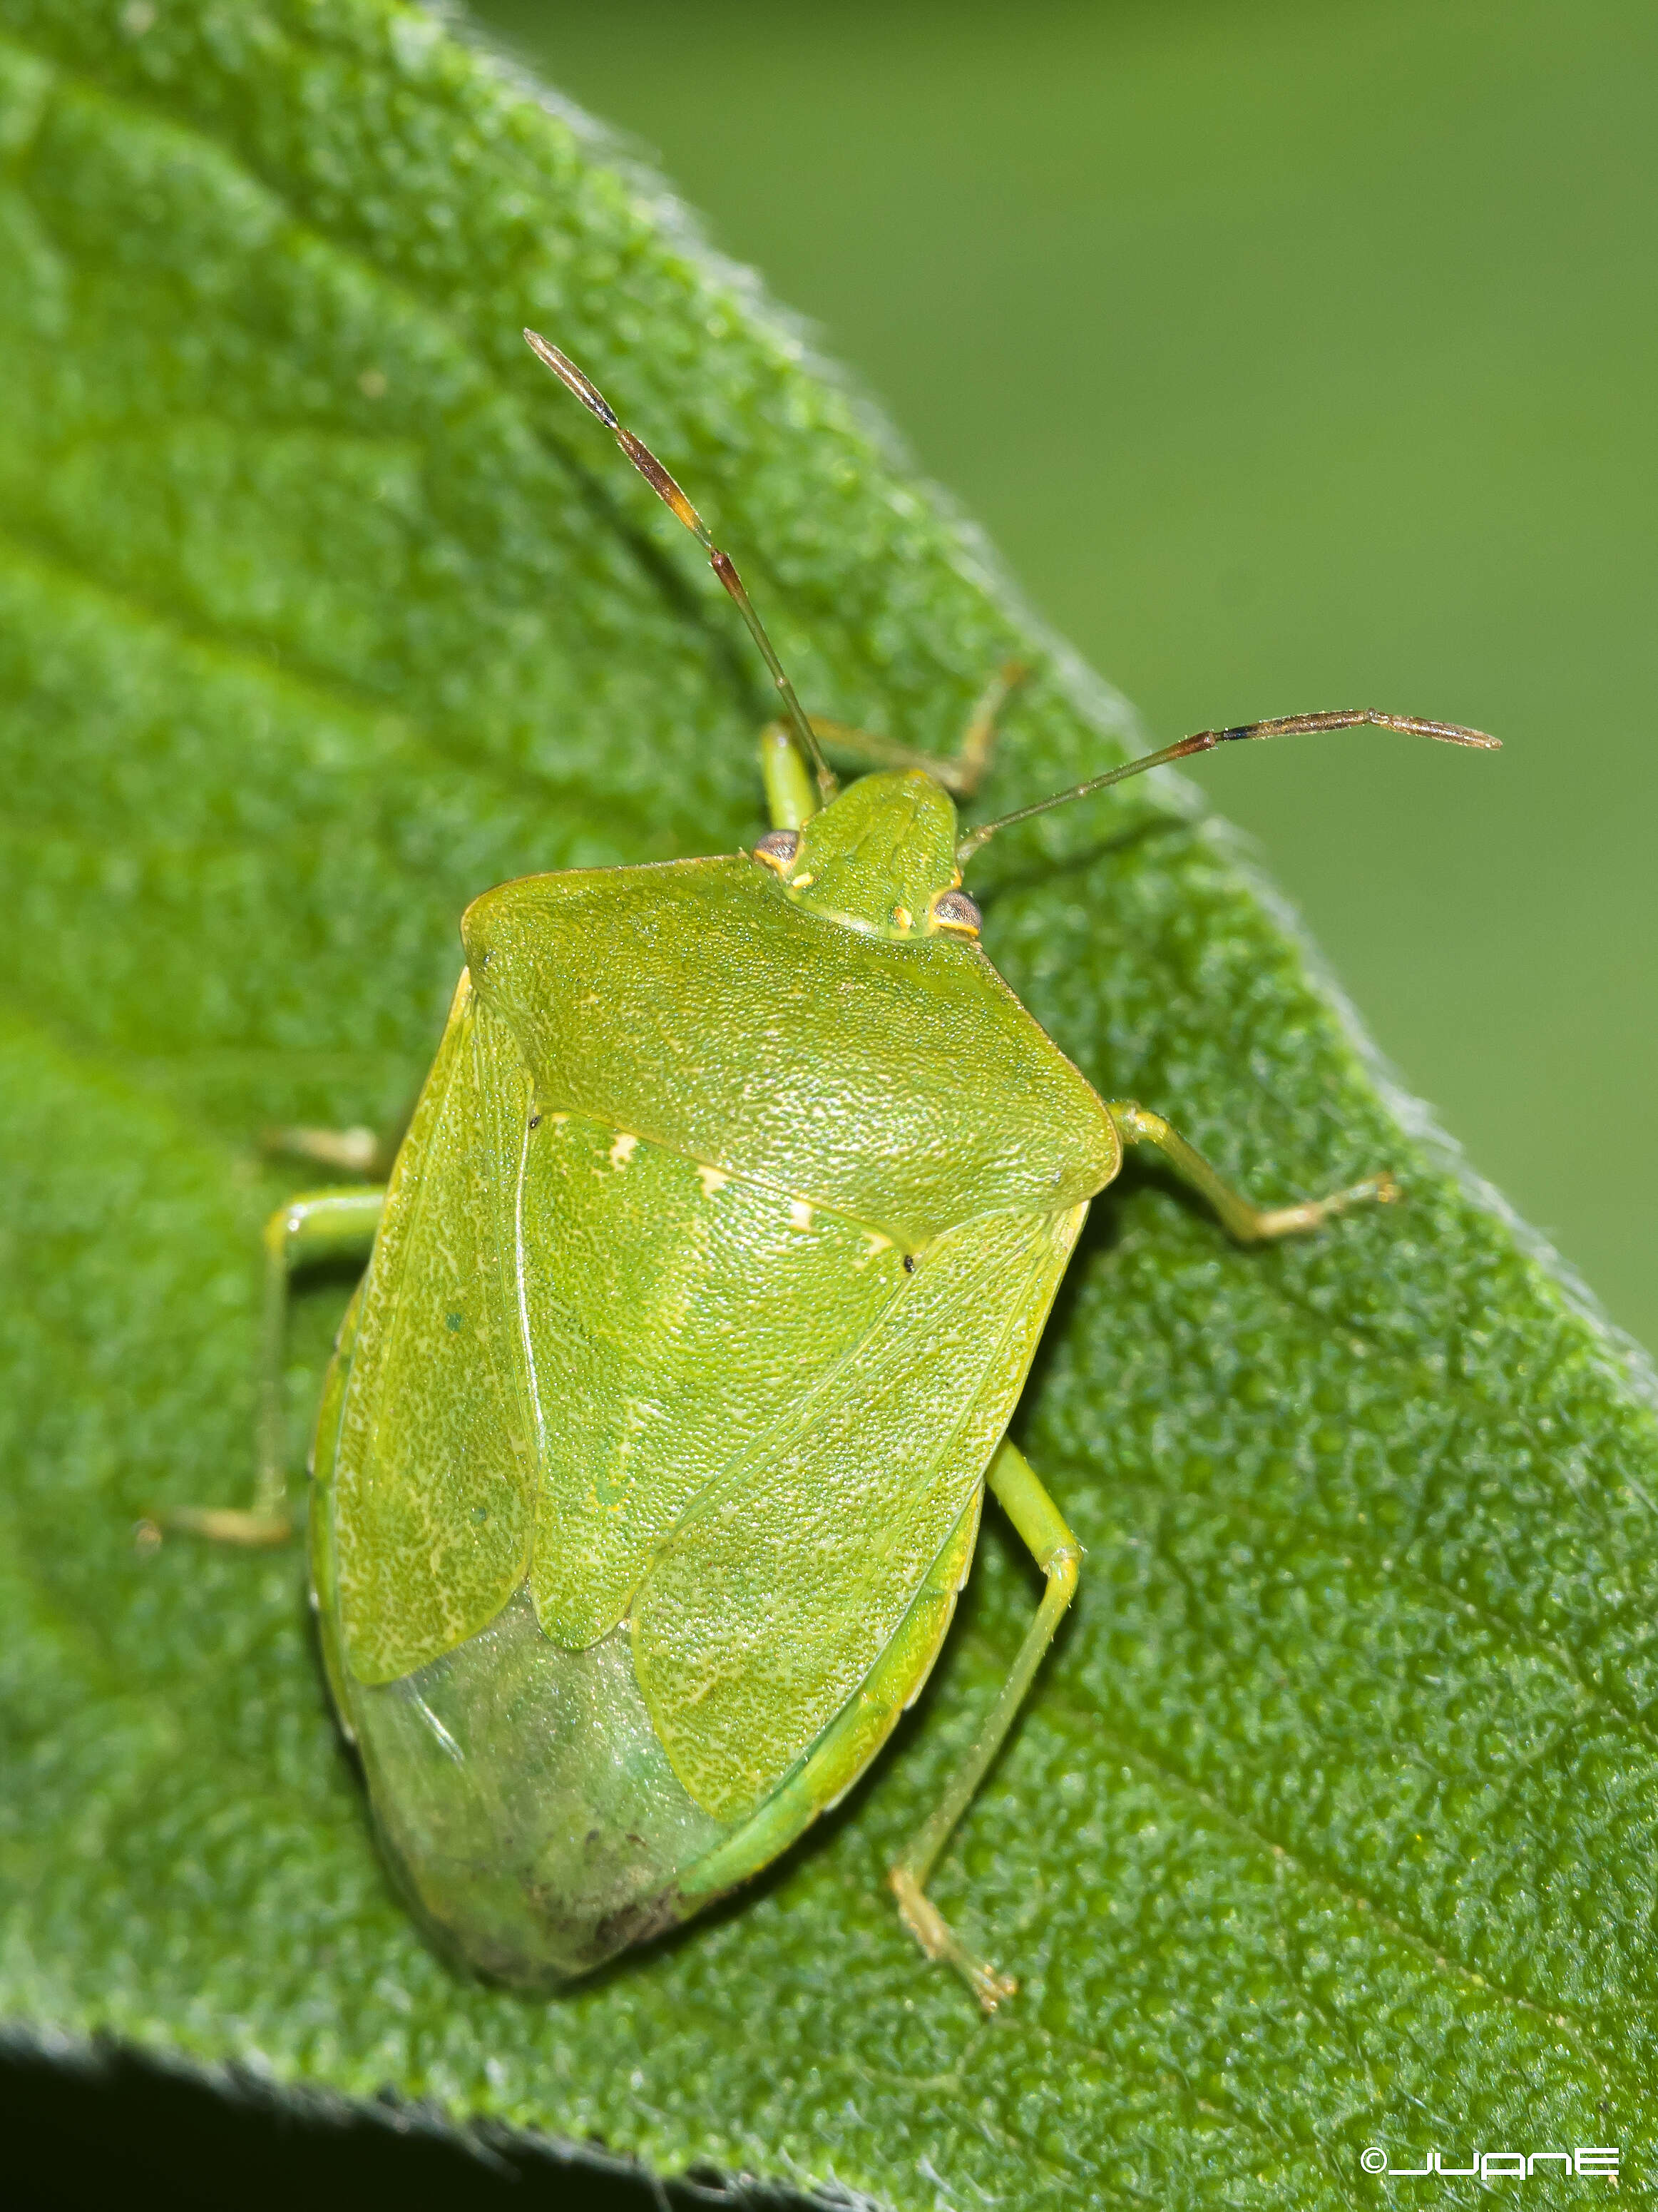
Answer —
651 1458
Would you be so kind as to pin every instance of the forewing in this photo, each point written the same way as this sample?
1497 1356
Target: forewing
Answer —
786 1580
675 1315
433 1484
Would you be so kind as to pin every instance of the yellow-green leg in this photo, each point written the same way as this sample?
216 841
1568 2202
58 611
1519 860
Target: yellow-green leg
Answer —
320 1224
792 796
1250 1225
360 1152
1057 1552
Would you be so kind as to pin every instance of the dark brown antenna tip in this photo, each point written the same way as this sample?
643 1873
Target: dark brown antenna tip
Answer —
1280 726
722 564
1342 718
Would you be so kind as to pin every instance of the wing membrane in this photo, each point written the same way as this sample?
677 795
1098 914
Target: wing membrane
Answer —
786 1580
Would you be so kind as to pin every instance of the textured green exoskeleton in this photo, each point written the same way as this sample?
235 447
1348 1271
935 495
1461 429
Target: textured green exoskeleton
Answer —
651 1459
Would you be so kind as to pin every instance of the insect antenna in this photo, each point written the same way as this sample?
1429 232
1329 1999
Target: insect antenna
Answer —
722 564
1281 726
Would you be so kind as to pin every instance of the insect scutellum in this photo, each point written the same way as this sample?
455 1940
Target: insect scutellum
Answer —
894 828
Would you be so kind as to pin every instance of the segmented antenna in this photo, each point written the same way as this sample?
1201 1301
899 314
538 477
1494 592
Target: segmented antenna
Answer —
1282 726
722 564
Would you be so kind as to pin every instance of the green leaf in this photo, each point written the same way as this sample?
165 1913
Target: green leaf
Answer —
1331 1823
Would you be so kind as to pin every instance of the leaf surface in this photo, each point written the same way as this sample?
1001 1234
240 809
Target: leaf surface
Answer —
1331 1823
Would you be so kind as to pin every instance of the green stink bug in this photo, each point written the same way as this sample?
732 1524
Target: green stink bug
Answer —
651 1458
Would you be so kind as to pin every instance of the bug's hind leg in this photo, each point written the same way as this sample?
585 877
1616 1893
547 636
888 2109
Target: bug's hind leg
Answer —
320 1224
1057 1552
792 798
359 1151
1250 1225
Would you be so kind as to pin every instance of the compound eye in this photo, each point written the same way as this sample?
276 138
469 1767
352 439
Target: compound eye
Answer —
778 848
955 910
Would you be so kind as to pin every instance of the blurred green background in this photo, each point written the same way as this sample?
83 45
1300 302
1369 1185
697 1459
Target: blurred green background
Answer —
1293 356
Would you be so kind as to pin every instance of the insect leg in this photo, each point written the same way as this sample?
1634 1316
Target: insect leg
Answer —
791 794
961 774
979 738
352 1151
1057 1552
1250 1225
321 1225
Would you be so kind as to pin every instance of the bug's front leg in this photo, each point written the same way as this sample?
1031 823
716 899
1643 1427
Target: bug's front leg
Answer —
1250 1225
320 1224
1058 1553
791 797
